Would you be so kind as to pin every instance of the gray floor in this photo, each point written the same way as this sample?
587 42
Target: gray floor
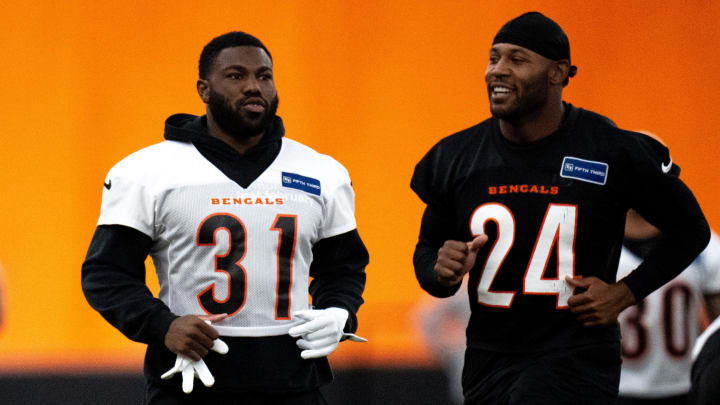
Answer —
351 387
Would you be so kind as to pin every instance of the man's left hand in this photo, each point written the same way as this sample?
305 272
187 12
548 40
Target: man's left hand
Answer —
321 331
599 303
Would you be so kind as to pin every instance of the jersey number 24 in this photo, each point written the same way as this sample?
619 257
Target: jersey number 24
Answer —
558 230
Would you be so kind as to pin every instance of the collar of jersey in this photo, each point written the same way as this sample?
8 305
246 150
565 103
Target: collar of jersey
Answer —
568 122
242 169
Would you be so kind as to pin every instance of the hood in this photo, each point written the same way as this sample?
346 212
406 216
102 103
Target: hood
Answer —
193 128
242 169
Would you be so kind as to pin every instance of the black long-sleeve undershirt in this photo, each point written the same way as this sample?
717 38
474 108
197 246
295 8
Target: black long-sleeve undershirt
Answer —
113 280
338 274
435 228
686 233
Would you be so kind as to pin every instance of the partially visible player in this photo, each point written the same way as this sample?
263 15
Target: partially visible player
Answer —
659 332
705 388
237 219
442 325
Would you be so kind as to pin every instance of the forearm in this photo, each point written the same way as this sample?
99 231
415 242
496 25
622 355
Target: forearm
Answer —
685 234
424 261
338 271
435 228
664 263
341 292
113 281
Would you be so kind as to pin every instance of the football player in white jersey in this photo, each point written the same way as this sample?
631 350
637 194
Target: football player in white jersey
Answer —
658 333
238 220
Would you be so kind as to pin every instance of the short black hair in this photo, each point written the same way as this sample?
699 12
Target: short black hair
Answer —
228 40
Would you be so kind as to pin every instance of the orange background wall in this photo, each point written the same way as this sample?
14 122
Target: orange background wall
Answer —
373 83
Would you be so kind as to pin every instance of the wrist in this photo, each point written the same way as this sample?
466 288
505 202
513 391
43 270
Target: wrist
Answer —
627 298
163 321
445 281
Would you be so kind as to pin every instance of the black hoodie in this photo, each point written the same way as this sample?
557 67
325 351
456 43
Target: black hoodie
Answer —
242 169
113 280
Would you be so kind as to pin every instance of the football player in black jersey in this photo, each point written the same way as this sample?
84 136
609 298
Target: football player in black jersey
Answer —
531 203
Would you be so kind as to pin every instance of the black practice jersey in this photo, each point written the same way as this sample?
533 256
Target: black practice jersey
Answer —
552 208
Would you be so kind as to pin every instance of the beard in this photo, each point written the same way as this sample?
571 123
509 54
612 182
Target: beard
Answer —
238 123
534 96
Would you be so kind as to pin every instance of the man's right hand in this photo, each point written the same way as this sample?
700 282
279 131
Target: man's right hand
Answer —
191 336
456 258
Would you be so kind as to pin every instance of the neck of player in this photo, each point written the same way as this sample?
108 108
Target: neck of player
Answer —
535 125
241 144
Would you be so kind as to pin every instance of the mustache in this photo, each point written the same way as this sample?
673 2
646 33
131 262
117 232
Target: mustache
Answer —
252 100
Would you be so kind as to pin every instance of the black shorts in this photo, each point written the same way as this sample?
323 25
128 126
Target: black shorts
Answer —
157 394
586 375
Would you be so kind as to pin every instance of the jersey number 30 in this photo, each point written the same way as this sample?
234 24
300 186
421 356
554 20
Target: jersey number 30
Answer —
558 229
230 263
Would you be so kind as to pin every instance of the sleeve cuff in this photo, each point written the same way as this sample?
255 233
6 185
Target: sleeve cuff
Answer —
160 323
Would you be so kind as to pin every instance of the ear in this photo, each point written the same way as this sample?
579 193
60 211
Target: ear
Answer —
559 71
203 89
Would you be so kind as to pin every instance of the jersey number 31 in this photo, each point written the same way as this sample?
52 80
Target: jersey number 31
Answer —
230 263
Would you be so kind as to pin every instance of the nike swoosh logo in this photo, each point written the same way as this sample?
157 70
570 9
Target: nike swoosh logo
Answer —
666 168
108 184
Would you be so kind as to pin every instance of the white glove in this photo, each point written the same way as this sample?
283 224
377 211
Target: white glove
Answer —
321 332
190 368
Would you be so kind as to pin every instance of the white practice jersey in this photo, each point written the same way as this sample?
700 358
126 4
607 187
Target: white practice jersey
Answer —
220 248
659 333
